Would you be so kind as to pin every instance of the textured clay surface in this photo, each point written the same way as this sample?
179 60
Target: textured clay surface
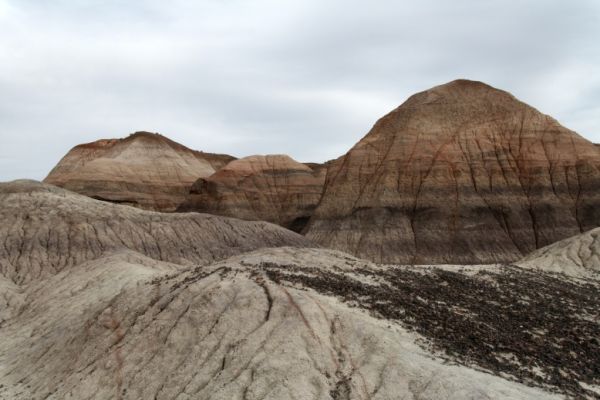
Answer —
127 327
46 229
576 256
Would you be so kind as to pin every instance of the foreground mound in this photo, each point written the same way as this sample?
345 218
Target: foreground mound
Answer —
577 256
273 188
278 324
45 229
145 170
460 173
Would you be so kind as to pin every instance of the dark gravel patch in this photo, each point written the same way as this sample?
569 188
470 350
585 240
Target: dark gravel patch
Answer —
538 328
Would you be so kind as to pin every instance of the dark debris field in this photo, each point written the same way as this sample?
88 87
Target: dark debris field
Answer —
533 327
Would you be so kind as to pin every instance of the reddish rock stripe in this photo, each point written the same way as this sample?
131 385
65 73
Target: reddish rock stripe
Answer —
272 188
145 170
461 173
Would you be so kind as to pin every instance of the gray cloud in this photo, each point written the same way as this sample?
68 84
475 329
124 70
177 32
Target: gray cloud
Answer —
305 78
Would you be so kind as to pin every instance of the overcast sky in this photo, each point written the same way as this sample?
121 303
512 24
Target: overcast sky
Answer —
307 77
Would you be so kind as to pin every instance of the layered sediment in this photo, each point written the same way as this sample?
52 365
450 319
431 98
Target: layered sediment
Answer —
272 188
145 170
460 173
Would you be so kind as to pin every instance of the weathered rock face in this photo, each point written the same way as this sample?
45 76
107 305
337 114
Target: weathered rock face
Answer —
272 188
461 173
145 170
46 229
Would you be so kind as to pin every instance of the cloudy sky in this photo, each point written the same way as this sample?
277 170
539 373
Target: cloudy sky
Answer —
306 77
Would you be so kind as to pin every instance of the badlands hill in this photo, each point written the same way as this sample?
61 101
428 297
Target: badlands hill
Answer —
46 229
145 170
127 327
460 173
272 188
104 301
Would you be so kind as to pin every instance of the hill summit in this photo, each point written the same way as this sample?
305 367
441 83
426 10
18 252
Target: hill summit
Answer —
459 173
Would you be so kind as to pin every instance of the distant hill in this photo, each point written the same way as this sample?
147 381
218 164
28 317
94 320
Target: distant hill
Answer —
145 170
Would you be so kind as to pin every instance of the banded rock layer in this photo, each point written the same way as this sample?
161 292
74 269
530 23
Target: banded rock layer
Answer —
145 170
461 173
272 188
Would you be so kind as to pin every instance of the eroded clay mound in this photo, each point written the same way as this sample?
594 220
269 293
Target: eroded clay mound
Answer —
45 229
272 188
576 256
257 326
461 173
145 170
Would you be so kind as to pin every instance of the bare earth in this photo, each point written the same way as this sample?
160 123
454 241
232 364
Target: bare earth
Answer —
272 188
106 301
